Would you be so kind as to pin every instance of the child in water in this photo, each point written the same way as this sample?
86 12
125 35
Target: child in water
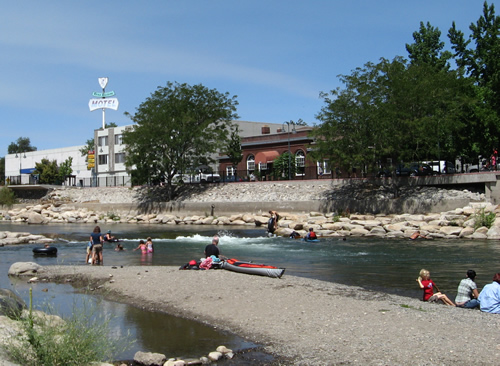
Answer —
142 246
426 284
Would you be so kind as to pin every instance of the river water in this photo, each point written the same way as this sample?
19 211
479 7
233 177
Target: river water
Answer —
389 265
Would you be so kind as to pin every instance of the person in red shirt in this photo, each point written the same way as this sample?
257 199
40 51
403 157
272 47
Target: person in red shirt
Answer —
426 284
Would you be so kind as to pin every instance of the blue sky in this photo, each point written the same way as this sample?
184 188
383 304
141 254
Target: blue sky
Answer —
276 56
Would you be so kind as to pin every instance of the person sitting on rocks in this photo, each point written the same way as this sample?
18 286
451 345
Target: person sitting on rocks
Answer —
426 284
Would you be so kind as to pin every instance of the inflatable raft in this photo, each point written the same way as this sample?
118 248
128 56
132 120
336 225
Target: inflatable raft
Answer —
45 251
252 268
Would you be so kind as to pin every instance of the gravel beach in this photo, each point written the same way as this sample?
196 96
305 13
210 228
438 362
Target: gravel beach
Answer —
308 322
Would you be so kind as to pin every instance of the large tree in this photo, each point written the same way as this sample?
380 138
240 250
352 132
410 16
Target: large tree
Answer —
478 58
392 109
22 144
178 127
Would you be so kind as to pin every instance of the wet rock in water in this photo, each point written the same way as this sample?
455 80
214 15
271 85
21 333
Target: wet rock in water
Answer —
24 269
150 358
215 356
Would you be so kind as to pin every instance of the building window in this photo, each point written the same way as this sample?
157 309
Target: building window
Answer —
262 166
103 141
300 162
324 167
120 158
119 139
230 170
103 159
251 163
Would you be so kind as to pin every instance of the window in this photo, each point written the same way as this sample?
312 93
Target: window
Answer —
230 170
251 163
324 167
262 166
103 141
103 159
119 139
300 162
120 158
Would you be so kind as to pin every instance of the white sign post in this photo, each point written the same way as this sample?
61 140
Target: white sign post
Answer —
104 102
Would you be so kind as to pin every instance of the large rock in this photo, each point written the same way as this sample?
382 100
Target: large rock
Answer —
24 269
11 305
35 218
150 358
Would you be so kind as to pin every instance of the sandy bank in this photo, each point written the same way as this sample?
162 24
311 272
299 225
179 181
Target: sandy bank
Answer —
314 322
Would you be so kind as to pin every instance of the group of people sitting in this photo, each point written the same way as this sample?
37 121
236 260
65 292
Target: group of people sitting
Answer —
468 295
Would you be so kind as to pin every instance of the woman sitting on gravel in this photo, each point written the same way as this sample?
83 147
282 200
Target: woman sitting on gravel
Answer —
425 282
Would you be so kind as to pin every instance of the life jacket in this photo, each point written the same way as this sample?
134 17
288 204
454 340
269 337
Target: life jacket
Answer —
312 236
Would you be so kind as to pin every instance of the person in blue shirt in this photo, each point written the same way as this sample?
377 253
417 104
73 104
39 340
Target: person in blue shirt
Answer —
489 298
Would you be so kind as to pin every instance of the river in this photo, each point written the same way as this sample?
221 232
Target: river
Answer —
389 265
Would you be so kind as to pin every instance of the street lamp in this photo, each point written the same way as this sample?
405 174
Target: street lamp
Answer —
288 123
20 165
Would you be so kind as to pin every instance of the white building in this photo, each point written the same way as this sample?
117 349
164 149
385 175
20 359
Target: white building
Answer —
21 166
109 169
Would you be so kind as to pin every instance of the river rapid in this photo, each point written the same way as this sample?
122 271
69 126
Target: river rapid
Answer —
388 265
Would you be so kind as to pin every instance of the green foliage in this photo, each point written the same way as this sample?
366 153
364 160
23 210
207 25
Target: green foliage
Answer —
22 144
113 216
65 169
89 146
82 339
283 165
481 218
428 48
233 148
7 197
48 171
178 127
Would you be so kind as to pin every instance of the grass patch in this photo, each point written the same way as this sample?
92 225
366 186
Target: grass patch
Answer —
83 338
406 306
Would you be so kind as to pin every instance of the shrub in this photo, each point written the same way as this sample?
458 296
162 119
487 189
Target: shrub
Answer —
7 197
81 339
481 218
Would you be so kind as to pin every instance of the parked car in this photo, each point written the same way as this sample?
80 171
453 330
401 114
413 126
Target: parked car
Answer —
484 166
413 170
442 167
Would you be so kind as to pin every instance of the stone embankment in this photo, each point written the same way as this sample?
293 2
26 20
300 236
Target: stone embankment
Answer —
59 207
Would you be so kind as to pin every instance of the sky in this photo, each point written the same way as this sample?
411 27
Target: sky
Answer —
276 56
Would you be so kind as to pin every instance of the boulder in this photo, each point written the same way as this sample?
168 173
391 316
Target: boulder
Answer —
35 218
150 358
11 305
24 269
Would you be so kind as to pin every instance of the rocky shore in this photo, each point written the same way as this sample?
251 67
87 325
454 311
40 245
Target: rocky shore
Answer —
464 222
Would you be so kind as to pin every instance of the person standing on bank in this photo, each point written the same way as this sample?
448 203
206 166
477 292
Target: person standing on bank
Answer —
467 293
97 240
213 249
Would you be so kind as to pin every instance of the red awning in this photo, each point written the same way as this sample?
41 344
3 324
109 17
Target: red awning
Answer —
266 156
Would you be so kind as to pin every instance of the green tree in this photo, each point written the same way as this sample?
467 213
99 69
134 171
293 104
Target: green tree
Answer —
284 166
233 148
22 144
478 57
48 171
179 126
7 197
428 48
65 169
392 109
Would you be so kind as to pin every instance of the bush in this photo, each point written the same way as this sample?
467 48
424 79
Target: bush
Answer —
483 219
7 197
79 340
